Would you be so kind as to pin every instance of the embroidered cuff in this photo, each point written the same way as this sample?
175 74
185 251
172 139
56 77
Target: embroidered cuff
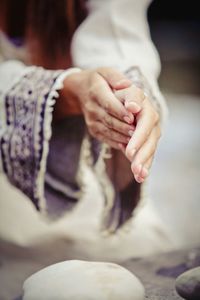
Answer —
25 139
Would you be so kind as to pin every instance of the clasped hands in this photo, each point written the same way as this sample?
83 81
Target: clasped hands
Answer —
117 113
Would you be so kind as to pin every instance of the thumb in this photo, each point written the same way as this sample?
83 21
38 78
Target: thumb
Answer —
114 78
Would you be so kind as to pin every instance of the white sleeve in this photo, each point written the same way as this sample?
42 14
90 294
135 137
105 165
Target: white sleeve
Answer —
116 34
27 98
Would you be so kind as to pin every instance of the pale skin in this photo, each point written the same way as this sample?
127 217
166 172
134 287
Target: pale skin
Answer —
142 146
116 112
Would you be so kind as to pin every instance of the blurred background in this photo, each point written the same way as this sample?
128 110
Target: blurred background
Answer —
175 181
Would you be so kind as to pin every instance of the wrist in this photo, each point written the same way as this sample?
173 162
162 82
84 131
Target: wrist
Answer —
68 103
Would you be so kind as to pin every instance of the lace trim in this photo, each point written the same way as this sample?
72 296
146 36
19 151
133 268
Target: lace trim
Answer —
103 153
24 142
136 76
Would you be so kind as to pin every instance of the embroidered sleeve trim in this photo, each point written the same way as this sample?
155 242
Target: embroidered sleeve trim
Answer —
25 140
136 76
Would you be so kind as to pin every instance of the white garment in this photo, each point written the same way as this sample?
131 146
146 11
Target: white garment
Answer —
114 34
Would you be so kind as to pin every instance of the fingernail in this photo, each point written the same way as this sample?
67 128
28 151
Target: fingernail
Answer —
122 81
131 132
139 179
132 105
127 119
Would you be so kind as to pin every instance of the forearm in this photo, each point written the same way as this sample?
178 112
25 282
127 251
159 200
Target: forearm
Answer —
68 103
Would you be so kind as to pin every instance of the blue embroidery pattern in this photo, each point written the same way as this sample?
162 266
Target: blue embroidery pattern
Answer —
136 76
22 142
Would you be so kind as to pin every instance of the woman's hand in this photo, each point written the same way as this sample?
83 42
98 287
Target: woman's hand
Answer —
91 92
141 148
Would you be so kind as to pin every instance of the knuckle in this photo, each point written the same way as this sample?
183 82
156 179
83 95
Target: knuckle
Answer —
109 121
107 106
153 113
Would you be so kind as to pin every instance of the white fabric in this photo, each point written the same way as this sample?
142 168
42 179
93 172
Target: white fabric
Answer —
116 34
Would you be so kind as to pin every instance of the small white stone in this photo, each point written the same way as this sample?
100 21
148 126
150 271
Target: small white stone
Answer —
81 280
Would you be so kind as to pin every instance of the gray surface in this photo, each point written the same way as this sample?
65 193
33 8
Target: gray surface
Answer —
174 188
158 273
188 284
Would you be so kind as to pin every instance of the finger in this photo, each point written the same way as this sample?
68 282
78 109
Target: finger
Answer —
133 107
135 94
99 128
111 143
96 113
137 176
139 179
131 94
146 120
149 162
145 170
146 167
117 125
143 159
132 98
104 96
122 147
146 151
114 78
